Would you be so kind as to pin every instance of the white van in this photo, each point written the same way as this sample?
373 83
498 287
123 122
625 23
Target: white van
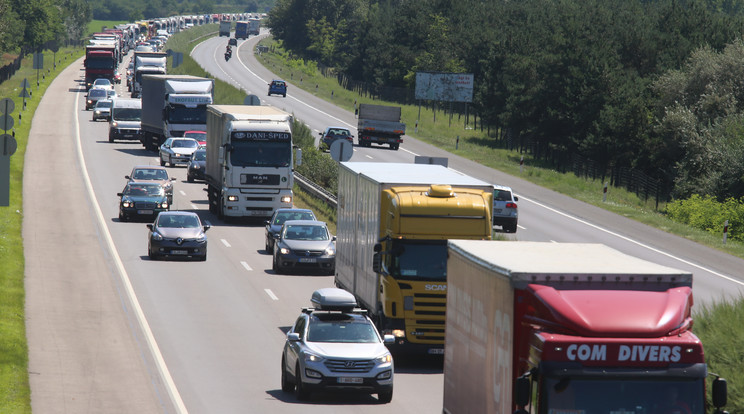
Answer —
125 120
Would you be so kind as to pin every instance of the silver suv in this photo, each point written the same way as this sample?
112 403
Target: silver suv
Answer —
505 213
336 347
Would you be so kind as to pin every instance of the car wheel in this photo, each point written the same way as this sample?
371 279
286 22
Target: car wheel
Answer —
170 161
267 247
151 255
122 217
301 392
284 95
203 258
287 385
385 397
274 265
512 228
162 163
111 139
189 178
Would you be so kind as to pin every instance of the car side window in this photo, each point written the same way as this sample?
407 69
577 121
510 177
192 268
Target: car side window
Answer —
300 326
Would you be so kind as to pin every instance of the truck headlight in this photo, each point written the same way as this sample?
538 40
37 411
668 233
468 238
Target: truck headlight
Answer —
232 198
399 333
286 199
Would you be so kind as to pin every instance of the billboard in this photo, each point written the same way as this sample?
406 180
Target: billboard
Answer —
449 87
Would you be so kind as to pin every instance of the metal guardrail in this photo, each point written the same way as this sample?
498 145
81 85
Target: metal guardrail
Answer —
315 190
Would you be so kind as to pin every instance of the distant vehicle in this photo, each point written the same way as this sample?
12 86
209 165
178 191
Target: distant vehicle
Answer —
177 234
125 120
94 94
304 244
232 42
336 347
332 134
241 30
505 212
102 83
111 94
177 150
199 136
197 165
225 27
139 200
117 77
275 223
278 87
380 124
153 174
102 109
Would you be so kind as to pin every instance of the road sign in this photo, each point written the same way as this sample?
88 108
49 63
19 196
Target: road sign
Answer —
38 61
6 122
6 106
252 100
25 83
8 145
342 150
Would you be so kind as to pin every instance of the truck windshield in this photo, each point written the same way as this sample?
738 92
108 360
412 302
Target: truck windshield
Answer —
627 396
419 260
127 114
99 63
179 114
261 153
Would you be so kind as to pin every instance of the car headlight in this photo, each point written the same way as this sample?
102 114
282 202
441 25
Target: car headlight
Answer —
164 204
284 250
114 124
98 112
126 203
330 251
387 358
201 238
195 166
312 357
156 236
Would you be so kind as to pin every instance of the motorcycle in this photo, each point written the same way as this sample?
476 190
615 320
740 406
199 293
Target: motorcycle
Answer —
228 55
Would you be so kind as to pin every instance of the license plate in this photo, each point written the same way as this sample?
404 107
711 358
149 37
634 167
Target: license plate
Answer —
127 135
498 210
256 213
144 211
308 260
179 252
350 380
436 351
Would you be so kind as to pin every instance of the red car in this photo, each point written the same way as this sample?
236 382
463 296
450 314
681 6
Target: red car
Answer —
200 136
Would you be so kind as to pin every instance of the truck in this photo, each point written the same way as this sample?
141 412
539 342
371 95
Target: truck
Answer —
393 223
172 105
241 30
225 26
250 160
380 124
254 26
547 328
100 62
147 63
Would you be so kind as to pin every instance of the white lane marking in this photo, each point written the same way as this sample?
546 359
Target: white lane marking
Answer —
183 193
225 243
637 243
169 384
523 228
271 294
246 266
368 156
195 207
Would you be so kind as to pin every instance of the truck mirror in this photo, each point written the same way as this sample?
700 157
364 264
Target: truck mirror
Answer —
298 158
377 248
522 391
720 393
377 262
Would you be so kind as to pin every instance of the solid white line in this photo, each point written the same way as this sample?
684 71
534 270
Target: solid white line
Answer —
246 266
271 294
637 243
183 193
169 384
225 242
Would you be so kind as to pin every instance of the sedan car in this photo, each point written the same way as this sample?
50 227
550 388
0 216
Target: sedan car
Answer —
274 225
94 94
332 134
102 83
153 174
199 136
336 347
177 150
142 200
196 168
177 234
505 213
304 244
102 109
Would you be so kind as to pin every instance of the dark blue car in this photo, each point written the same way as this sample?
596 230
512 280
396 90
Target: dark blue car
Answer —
278 87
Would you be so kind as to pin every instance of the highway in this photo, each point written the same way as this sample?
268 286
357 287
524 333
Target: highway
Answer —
208 336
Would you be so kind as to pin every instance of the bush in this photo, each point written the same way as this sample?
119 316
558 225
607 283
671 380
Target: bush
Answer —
706 213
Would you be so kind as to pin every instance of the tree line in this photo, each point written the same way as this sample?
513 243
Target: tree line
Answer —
30 25
653 85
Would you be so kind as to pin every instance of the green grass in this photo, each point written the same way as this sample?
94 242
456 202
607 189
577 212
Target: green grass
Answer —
15 394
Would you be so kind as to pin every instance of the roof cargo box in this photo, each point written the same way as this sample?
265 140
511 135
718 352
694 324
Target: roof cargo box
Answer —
333 299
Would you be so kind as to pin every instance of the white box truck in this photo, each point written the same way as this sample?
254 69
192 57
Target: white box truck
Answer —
147 63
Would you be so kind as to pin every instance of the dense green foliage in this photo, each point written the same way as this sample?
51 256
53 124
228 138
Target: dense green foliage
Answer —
706 213
553 78
29 25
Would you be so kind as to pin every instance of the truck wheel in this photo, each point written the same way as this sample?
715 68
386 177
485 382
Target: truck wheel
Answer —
301 392
287 386
394 147
385 397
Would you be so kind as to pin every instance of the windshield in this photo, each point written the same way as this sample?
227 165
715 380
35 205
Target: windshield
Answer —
103 104
127 114
281 217
261 153
199 156
339 327
178 221
306 232
149 174
143 190
184 143
96 93
627 396
99 63
419 260
179 114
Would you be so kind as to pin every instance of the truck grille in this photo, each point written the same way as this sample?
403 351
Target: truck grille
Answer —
342 365
428 318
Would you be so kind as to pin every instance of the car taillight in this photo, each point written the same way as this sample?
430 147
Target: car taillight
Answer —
511 205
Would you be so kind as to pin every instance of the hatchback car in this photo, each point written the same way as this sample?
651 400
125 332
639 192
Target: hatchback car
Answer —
94 94
232 42
196 168
505 212
336 347
142 200
304 244
102 83
153 174
102 109
177 150
275 223
177 234
332 134
278 87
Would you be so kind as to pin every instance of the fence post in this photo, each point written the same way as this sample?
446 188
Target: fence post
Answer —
725 231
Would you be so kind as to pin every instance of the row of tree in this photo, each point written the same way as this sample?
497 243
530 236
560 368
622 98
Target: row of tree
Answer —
28 25
647 84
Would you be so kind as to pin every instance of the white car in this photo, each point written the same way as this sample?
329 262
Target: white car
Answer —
177 150
336 347
505 211
102 109
103 83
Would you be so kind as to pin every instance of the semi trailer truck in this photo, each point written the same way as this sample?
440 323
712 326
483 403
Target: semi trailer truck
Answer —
100 62
380 124
147 63
250 160
393 223
545 328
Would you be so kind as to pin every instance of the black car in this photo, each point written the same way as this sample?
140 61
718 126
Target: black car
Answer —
195 170
274 225
332 134
177 234
142 200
